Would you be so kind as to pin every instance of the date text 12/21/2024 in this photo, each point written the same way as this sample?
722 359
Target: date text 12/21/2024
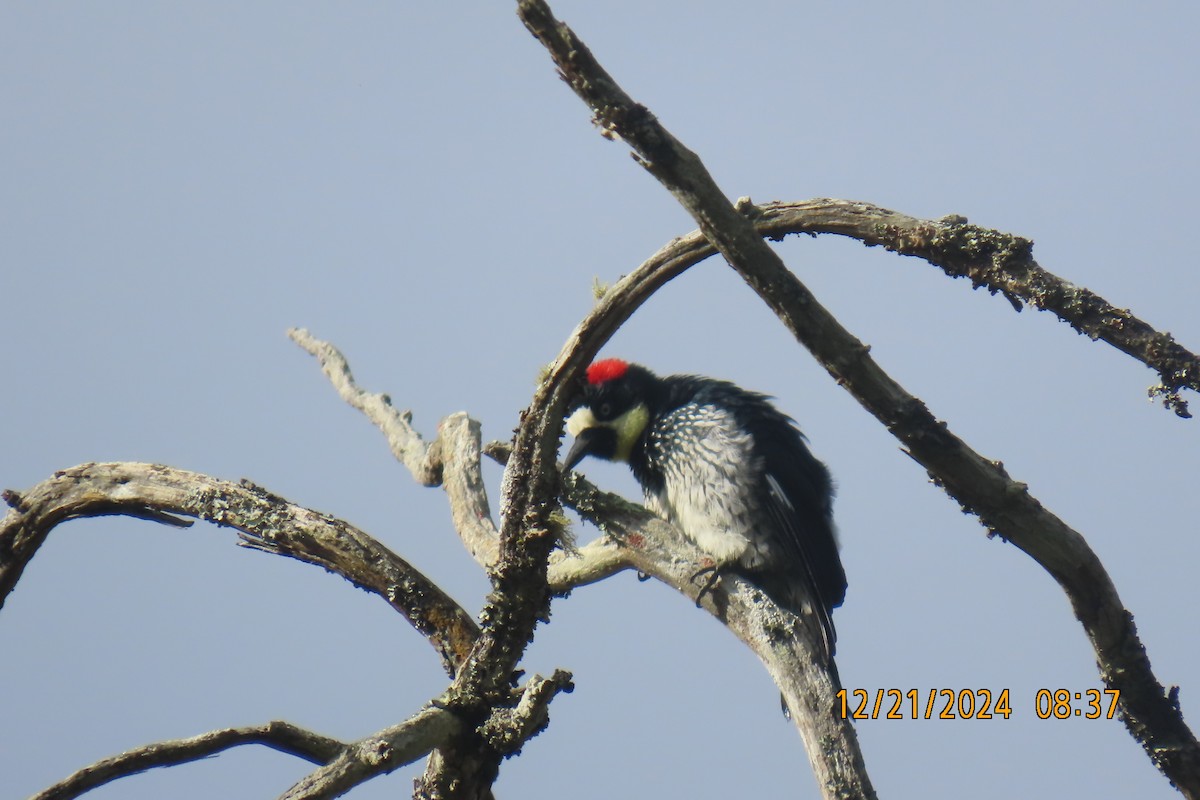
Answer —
974 704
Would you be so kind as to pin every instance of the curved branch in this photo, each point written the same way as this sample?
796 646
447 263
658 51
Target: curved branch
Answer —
998 261
979 485
278 735
267 522
264 522
1002 263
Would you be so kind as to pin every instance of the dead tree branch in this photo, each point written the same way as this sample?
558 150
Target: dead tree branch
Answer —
521 594
378 754
267 522
981 486
424 461
507 729
485 716
1001 263
452 460
634 538
278 735
516 558
263 520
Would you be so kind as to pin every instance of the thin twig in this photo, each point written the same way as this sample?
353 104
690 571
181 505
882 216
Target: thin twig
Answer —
407 445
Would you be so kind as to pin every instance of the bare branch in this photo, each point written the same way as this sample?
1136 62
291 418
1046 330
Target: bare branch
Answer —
1002 263
452 458
516 559
460 437
522 716
618 519
787 645
264 521
979 485
267 522
278 735
378 754
507 729
530 529
595 561
520 597
407 446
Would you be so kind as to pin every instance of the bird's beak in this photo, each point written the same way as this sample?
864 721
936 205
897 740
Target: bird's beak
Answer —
585 440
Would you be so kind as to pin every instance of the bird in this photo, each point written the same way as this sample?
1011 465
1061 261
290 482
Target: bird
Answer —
729 469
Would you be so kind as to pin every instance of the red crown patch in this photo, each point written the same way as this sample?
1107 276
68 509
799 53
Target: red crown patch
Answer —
606 370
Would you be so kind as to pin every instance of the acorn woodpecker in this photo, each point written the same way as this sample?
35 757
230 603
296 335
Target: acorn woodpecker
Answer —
726 467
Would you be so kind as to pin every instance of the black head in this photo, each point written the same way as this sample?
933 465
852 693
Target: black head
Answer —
612 411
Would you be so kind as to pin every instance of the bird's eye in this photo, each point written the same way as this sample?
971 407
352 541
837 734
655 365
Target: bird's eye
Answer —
605 410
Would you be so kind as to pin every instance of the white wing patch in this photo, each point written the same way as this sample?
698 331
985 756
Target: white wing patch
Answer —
700 492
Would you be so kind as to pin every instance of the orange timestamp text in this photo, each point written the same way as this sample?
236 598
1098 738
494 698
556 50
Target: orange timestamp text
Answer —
972 704
918 704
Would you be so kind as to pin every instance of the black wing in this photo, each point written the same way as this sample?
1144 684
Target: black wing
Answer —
796 494
799 500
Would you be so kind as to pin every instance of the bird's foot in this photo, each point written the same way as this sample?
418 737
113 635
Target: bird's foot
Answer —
712 578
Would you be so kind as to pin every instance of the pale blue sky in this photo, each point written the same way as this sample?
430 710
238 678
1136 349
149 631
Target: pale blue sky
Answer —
413 183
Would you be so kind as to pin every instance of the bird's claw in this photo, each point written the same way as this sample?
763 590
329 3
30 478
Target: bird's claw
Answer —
710 582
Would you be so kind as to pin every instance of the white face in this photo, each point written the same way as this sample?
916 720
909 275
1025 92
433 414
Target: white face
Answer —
581 420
